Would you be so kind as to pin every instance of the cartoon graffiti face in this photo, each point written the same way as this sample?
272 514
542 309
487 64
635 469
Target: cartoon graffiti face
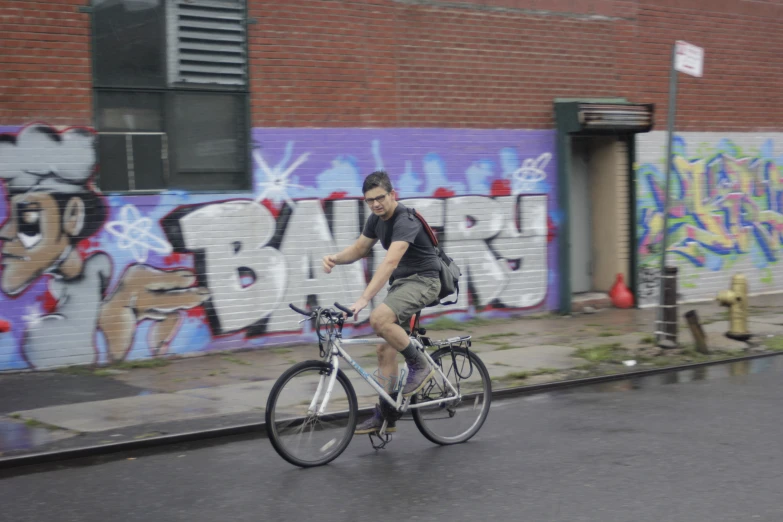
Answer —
35 236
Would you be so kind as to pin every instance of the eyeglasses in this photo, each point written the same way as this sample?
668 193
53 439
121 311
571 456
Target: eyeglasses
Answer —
370 201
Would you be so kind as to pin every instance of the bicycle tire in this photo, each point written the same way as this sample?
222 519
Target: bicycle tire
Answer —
272 430
477 365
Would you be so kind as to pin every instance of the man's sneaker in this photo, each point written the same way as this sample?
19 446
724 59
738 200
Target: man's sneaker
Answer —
419 373
374 423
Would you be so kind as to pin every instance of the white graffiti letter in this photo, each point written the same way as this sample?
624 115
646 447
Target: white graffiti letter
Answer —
245 277
526 248
470 222
307 239
346 228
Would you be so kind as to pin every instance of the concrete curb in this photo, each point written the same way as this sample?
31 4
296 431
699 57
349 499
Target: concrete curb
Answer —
241 429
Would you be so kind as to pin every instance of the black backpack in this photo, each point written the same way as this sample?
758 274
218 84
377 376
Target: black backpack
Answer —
449 271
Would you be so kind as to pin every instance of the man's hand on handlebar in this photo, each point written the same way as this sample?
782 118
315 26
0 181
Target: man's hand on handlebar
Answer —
358 306
346 311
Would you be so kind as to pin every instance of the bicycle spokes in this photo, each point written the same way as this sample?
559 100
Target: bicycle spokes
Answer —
459 418
311 415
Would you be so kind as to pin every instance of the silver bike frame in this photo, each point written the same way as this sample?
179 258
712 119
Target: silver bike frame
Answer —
333 360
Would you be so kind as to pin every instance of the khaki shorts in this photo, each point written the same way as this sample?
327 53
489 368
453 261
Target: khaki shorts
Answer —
408 295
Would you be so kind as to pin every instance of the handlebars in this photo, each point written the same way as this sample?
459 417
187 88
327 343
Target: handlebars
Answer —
344 309
347 310
298 310
332 324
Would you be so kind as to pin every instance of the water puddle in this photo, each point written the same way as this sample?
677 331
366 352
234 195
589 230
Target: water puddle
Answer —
702 373
16 435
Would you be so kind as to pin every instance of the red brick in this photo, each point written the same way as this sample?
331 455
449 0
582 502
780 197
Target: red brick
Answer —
483 63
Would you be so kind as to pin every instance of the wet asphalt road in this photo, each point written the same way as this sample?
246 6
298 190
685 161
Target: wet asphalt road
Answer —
701 450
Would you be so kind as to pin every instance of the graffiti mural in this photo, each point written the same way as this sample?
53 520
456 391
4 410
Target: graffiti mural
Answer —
89 277
726 214
52 211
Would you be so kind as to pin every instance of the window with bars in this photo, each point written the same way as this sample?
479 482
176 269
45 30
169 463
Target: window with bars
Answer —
171 94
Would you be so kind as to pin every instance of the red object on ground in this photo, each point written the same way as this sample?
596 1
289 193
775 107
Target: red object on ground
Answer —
620 295
5 326
619 280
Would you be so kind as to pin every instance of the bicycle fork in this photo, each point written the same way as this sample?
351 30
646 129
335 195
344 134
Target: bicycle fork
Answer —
334 362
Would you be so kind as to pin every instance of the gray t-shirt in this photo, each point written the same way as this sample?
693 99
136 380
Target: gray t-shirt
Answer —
420 258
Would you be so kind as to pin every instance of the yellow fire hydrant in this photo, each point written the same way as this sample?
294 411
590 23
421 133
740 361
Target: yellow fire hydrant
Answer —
736 300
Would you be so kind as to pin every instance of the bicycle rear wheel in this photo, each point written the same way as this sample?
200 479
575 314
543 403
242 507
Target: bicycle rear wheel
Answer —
298 433
459 420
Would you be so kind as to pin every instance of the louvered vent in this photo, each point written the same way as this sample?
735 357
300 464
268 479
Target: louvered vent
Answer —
207 42
617 116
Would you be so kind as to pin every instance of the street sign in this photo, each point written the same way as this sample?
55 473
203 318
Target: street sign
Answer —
689 59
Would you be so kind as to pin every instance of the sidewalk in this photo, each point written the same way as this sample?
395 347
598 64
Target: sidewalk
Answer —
78 407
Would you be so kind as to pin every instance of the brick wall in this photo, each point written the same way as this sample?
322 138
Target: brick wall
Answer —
501 63
397 63
45 71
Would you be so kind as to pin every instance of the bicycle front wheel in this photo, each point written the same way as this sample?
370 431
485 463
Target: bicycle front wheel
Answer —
457 420
307 425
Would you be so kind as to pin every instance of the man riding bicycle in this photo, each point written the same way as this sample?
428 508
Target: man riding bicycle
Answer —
411 266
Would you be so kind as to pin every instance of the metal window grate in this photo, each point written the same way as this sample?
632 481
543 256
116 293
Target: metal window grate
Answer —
143 166
207 42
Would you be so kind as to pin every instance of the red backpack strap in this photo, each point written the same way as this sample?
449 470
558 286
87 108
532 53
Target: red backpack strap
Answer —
426 226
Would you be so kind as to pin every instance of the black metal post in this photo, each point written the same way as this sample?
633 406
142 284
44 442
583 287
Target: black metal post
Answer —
667 186
667 330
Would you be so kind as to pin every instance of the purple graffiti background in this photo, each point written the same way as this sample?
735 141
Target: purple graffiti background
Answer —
291 164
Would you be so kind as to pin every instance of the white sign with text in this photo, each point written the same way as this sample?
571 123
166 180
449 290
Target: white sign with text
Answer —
689 59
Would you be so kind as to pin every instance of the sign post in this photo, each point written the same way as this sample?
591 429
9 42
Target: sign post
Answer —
688 59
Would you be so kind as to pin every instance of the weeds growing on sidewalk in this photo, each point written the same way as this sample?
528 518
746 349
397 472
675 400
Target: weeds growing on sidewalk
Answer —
235 360
108 370
600 353
447 323
76 370
143 363
489 337
514 376
33 423
510 377
774 343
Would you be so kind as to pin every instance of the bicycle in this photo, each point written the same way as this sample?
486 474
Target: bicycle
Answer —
292 422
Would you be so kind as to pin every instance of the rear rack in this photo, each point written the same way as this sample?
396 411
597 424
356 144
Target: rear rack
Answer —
452 341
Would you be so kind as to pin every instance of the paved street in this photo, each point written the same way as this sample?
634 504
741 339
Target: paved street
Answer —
701 445
76 408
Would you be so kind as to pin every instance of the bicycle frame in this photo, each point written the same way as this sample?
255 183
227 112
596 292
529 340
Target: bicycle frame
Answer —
333 359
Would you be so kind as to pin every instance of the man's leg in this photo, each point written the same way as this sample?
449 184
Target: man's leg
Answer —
388 370
404 299
387 366
384 321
